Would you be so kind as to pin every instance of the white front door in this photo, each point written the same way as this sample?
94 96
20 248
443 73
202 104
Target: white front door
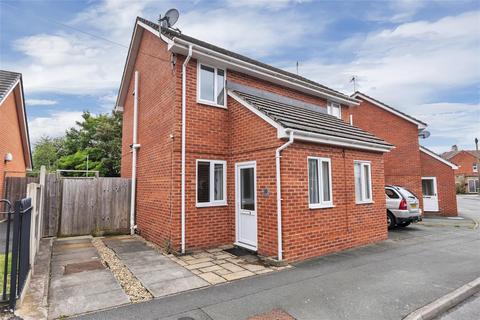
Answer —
246 205
430 196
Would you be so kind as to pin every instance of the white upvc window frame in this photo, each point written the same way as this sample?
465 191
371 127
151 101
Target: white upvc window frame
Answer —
363 164
331 105
322 203
215 73
212 202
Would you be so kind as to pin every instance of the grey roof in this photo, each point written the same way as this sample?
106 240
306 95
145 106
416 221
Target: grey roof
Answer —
172 34
450 154
389 107
305 119
7 80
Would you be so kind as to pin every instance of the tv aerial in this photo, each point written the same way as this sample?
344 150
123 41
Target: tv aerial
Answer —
169 19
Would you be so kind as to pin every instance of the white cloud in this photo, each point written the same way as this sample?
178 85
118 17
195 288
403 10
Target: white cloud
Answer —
69 63
396 11
269 4
411 63
455 123
252 32
53 125
40 102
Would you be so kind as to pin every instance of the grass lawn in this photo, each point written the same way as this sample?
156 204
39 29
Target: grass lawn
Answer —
2 269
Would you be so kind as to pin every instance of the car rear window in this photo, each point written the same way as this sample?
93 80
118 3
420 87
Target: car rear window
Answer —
391 194
407 193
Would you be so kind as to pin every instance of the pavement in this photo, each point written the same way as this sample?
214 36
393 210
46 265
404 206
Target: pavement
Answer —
157 273
468 310
79 282
469 206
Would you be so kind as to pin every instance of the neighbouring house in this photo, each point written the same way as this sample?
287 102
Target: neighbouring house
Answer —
409 165
438 183
466 176
223 149
15 154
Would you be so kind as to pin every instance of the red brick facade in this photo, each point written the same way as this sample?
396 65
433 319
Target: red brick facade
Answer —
465 173
10 141
447 200
235 134
403 165
464 160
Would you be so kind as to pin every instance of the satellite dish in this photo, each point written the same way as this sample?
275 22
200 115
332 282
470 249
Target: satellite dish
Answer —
170 18
424 134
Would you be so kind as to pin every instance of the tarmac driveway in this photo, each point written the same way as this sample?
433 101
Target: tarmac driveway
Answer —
388 280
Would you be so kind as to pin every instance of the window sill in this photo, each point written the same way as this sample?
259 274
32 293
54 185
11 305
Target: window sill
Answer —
210 104
211 204
365 202
320 206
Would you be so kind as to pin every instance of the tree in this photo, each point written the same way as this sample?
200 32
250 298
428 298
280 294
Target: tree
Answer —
46 153
99 137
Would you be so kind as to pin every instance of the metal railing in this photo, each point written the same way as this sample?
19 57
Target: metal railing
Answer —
20 256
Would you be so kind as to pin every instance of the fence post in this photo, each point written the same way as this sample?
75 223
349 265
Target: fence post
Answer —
15 254
42 181
32 193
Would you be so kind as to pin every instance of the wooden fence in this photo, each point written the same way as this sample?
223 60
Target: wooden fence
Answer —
80 206
16 188
95 206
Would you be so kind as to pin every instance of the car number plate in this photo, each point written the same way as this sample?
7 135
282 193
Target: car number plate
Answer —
414 205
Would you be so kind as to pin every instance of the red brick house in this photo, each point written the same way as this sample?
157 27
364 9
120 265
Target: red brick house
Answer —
418 169
466 175
15 155
438 183
223 149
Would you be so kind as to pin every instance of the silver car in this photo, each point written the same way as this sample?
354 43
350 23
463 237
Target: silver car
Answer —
403 207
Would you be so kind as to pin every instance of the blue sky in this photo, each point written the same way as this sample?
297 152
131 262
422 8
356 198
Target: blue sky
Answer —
422 57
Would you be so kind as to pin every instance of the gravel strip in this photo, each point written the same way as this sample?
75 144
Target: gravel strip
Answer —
130 284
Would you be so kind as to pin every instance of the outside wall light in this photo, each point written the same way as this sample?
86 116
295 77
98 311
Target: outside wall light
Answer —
8 157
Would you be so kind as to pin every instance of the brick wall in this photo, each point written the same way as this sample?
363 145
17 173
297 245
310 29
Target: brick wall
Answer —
402 164
447 199
156 113
313 232
464 161
10 141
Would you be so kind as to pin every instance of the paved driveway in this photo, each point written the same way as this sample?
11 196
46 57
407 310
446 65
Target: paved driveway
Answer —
383 281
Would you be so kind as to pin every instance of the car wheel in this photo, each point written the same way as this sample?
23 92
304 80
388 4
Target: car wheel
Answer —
390 221
404 224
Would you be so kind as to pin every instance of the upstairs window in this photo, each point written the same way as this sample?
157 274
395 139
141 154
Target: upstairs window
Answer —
211 183
363 181
319 183
334 109
211 85
474 167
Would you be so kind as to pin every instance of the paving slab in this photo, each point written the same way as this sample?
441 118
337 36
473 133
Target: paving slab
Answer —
79 282
168 287
159 274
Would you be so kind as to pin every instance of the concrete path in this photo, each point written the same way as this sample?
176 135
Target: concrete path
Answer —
157 273
79 282
468 310
35 303
385 281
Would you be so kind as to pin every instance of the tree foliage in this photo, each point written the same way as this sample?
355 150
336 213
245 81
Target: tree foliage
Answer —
98 137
